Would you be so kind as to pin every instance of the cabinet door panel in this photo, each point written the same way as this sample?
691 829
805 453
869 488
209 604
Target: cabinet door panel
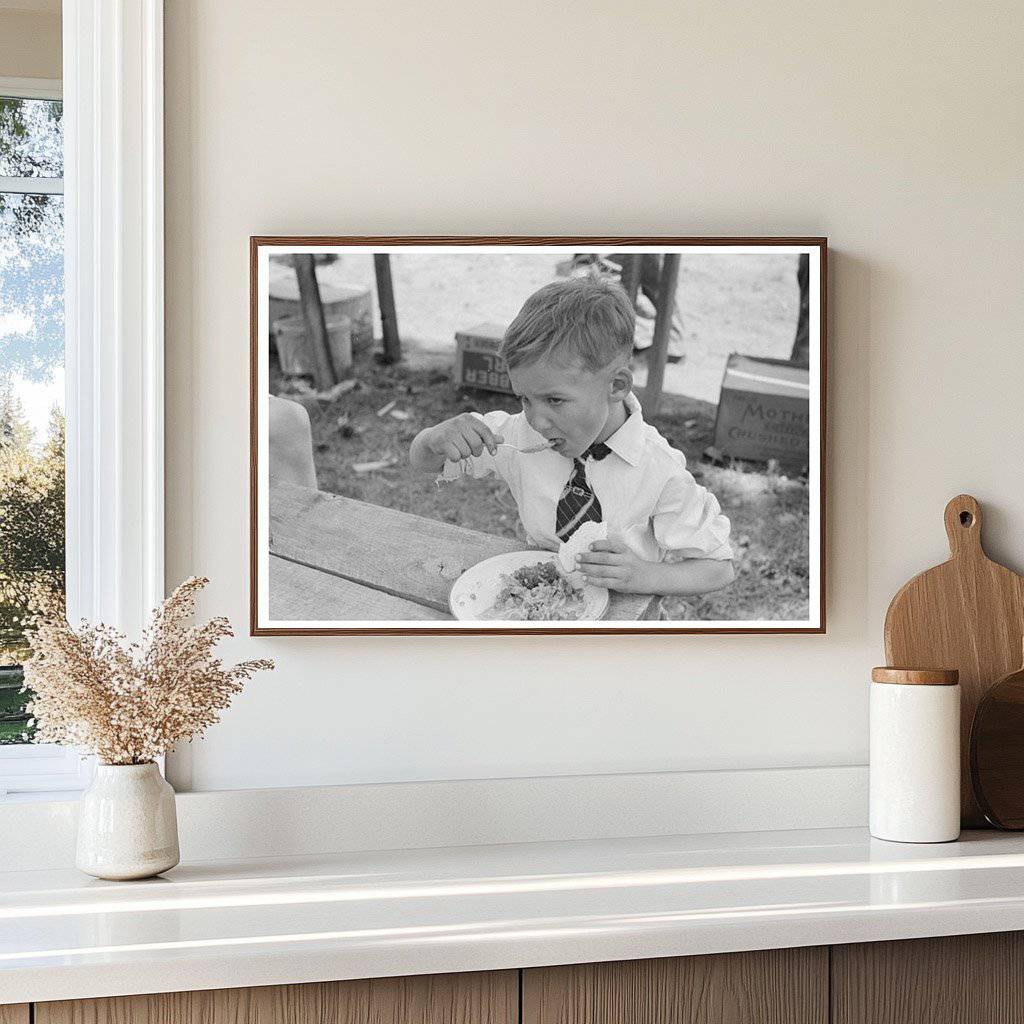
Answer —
477 998
960 979
778 986
14 1013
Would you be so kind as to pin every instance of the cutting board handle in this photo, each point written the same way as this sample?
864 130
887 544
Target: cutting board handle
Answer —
963 526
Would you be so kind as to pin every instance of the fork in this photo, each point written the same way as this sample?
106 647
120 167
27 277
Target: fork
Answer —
526 451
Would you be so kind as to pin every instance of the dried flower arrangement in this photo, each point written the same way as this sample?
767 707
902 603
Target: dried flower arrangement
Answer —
130 703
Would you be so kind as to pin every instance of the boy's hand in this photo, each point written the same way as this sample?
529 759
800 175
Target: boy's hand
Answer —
611 564
460 437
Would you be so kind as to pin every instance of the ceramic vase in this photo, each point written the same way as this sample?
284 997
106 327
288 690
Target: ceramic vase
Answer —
127 825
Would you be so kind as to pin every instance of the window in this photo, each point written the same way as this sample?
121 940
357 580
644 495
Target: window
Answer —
31 403
112 166
31 384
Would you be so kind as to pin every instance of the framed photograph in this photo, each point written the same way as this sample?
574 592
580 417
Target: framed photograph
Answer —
537 435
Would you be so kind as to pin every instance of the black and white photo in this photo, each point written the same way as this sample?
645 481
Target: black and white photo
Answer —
537 435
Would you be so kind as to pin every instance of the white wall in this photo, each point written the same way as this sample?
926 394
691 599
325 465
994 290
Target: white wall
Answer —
895 129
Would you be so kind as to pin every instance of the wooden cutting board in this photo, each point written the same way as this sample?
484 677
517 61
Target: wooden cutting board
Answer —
967 614
997 753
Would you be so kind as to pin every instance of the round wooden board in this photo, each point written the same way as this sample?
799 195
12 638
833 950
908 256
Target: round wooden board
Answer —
997 753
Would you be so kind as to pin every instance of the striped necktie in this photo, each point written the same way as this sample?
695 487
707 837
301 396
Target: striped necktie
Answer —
578 504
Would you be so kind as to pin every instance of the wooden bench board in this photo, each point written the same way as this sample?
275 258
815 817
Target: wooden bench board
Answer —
358 548
297 589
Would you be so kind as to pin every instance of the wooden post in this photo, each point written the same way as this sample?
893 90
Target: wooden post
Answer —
801 353
631 275
313 314
657 354
386 300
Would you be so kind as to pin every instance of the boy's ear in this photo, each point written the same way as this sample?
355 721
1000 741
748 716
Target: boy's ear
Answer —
622 382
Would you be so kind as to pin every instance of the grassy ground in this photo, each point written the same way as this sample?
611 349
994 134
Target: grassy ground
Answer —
769 513
12 719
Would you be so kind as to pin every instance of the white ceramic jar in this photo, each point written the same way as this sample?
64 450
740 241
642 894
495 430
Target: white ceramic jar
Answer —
127 823
915 755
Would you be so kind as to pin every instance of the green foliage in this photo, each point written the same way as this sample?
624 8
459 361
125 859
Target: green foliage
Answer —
14 727
31 523
31 547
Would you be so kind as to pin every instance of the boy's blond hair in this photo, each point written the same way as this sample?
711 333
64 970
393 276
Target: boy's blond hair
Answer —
589 319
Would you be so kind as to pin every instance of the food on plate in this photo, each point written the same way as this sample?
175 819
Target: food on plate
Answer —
539 591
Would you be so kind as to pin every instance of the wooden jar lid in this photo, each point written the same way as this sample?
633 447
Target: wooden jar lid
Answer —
916 676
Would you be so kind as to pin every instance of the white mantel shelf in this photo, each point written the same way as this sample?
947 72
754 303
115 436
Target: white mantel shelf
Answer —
268 921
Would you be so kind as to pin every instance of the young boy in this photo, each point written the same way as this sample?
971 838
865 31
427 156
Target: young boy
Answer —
567 354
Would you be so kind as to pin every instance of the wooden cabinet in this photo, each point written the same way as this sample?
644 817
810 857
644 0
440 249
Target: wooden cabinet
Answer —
967 979
778 986
962 979
478 998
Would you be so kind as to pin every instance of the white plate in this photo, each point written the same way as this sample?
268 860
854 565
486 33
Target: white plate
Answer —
477 588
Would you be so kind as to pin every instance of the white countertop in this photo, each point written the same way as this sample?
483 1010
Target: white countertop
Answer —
230 923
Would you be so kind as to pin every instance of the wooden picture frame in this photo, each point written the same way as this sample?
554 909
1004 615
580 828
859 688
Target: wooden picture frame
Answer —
312 550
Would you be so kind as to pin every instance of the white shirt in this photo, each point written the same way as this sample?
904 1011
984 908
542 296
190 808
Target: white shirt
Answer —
647 496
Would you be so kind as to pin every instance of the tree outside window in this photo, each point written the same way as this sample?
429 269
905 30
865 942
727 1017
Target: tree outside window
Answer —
31 385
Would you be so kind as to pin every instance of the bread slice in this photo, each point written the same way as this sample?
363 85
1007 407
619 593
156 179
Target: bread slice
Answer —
580 541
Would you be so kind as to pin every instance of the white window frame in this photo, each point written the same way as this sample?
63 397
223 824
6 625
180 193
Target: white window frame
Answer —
31 88
114 323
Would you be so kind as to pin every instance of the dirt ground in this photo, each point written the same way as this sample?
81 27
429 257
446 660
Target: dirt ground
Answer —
728 303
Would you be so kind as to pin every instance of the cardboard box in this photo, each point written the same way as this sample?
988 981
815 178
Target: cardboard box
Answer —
476 358
764 411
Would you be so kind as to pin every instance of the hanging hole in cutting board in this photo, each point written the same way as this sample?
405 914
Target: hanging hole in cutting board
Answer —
966 519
